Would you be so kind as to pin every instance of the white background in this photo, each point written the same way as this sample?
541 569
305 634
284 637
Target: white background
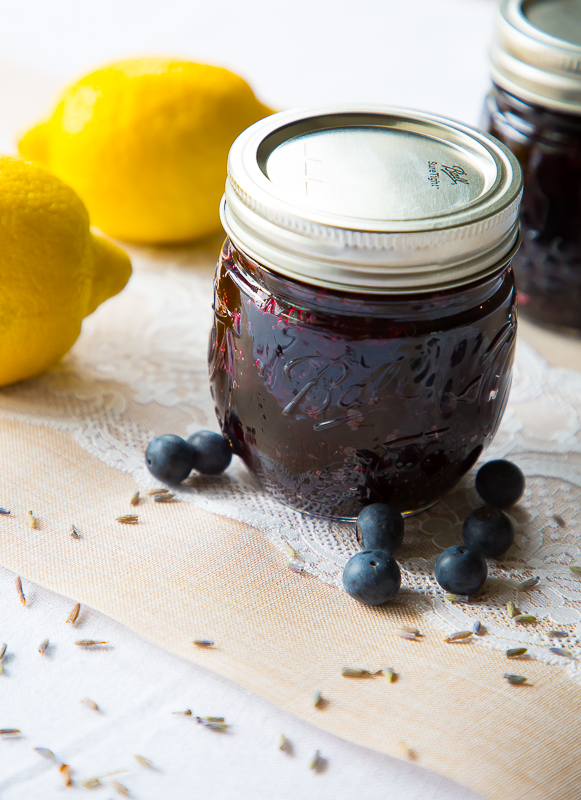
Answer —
425 54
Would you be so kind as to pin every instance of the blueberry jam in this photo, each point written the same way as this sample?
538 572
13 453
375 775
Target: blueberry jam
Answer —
336 400
547 144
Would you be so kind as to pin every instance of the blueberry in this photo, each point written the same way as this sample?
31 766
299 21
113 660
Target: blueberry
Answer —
460 570
489 531
500 483
372 577
380 527
169 458
211 452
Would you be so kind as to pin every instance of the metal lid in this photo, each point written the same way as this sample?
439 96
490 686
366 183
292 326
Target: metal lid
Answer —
536 53
372 198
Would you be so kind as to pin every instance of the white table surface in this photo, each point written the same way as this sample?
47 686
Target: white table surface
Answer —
137 686
427 54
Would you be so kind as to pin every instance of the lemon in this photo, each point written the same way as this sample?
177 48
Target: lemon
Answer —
53 271
145 143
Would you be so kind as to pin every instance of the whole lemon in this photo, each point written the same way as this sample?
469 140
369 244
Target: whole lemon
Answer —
53 271
145 143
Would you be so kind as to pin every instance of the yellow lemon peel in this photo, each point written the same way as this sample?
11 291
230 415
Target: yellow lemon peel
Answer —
145 142
53 270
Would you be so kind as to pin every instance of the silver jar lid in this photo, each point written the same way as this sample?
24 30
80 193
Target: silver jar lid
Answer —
536 52
372 199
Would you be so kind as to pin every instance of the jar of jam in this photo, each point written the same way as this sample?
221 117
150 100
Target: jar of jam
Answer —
535 109
364 304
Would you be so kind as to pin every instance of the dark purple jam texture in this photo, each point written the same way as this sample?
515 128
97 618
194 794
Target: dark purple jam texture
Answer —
548 264
339 400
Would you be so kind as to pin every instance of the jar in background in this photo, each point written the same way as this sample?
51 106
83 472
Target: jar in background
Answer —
364 305
535 109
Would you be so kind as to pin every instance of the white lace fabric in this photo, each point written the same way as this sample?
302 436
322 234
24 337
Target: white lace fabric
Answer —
139 369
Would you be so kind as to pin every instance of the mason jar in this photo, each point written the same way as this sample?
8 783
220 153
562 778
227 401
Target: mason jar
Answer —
535 109
364 304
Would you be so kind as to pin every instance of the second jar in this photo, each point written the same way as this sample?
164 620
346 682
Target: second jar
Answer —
535 109
364 305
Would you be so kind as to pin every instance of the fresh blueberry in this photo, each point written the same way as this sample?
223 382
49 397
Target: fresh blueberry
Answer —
169 458
212 452
500 483
460 570
372 577
380 527
489 531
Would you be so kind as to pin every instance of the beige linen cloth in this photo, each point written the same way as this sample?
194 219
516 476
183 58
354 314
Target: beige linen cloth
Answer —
183 574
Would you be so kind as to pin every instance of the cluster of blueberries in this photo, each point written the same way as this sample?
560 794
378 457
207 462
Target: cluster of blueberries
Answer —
170 458
373 575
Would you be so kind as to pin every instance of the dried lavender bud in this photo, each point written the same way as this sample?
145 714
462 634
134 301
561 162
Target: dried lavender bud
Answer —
91 783
457 598
66 771
89 643
528 584
561 651
515 652
516 680
18 584
120 788
355 672
458 636
45 752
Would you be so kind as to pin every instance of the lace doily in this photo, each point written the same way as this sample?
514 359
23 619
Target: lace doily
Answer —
139 370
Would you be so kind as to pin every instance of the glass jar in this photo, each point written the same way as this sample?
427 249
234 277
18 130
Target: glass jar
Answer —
364 334
535 109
